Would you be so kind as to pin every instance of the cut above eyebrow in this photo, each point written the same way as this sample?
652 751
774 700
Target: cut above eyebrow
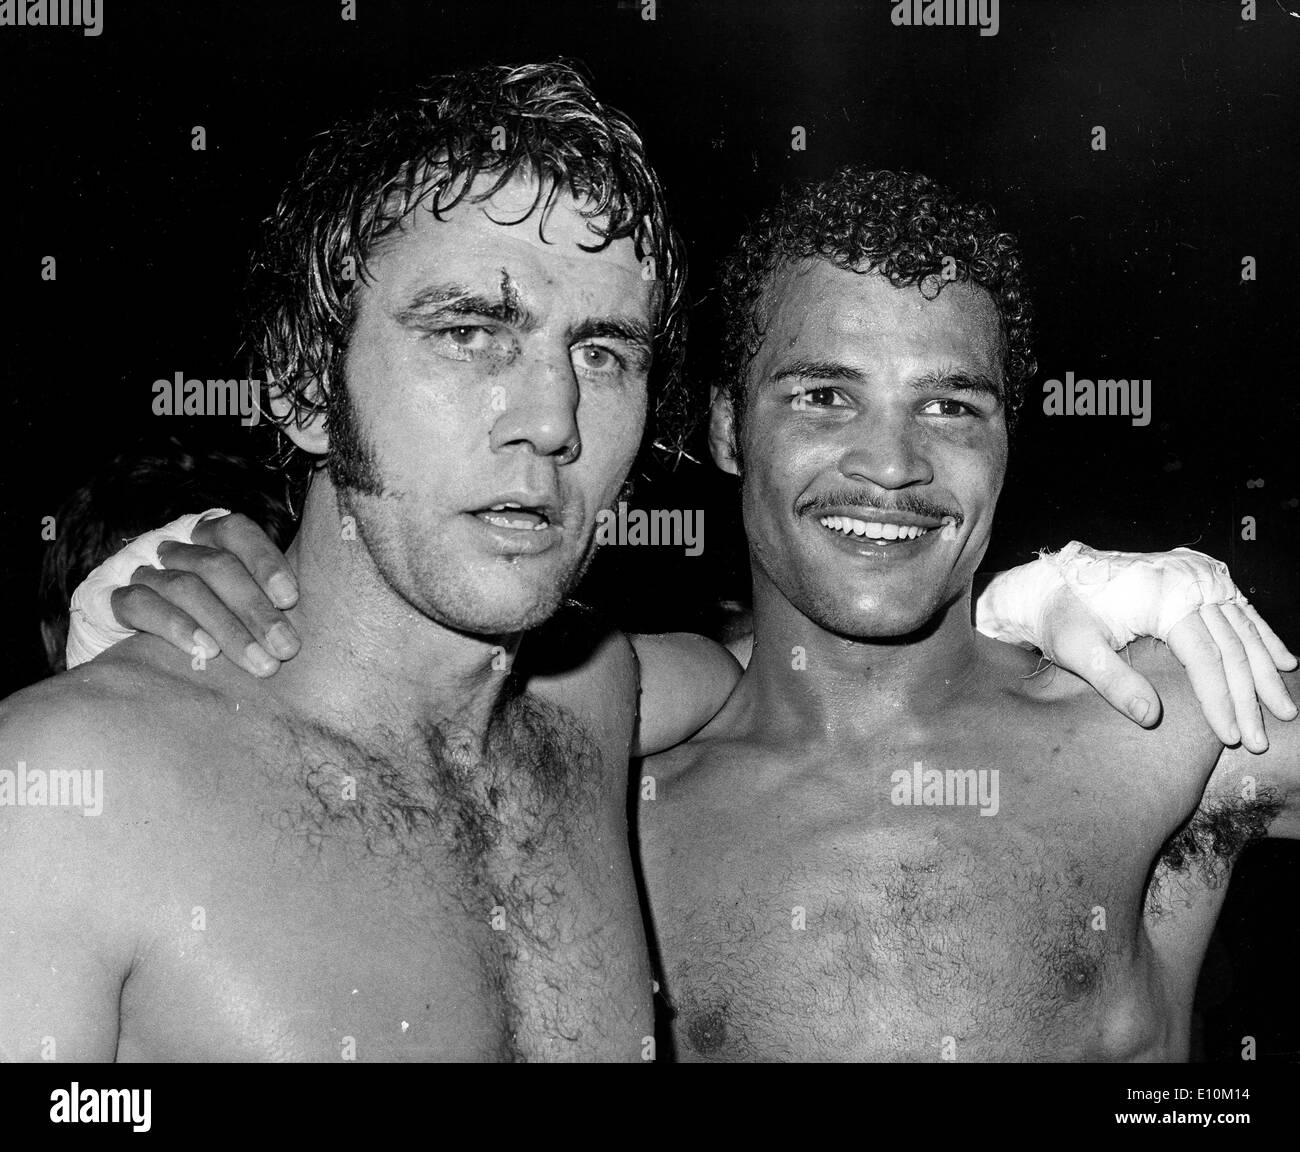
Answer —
939 380
457 300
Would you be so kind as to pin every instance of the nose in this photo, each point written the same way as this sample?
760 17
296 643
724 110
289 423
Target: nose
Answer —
886 451
538 412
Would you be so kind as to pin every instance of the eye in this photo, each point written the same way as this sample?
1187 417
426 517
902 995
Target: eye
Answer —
593 358
952 408
470 337
817 398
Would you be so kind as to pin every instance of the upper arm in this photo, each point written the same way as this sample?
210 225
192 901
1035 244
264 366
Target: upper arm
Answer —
685 680
1274 773
62 962
1272 776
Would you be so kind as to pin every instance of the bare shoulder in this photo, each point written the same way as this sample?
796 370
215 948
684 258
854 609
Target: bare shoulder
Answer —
125 719
579 662
84 793
1181 719
1167 765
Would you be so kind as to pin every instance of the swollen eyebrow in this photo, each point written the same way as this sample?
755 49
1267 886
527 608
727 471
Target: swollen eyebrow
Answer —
451 300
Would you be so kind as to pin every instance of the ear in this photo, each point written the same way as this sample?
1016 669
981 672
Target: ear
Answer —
311 435
55 640
722 431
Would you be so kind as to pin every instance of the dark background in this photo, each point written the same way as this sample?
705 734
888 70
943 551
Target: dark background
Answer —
1135 252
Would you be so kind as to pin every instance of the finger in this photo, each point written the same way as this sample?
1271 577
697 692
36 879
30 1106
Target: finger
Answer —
1276 649
1190 641
1081 645
141 608
245 538
1241 678
188 592
1269 686
225 574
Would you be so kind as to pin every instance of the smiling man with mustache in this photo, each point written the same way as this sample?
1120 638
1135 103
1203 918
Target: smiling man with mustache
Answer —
823 879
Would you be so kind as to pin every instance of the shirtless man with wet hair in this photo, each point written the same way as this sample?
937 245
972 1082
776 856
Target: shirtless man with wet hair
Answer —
407 846
397 847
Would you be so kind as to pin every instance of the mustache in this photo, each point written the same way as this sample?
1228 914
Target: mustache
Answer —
911 503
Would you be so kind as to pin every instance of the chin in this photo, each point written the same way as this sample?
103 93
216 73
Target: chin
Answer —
494 604
871 619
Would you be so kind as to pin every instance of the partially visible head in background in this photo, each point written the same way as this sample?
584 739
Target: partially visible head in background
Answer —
137 491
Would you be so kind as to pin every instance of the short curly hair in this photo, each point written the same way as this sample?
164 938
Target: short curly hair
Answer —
365 176
899 224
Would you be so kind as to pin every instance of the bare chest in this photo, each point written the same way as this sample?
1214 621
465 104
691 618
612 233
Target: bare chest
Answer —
810 923
329 909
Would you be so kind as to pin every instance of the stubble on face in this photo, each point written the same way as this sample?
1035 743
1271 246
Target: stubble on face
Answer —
421 432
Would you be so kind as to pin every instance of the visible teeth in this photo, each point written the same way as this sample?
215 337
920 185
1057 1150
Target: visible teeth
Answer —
849 526
506 522
503 507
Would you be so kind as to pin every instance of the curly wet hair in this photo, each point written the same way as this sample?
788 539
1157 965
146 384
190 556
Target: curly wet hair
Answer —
363 178
899 224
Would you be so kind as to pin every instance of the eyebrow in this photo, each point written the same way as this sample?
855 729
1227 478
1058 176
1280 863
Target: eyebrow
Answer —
628 329
937 380
458 300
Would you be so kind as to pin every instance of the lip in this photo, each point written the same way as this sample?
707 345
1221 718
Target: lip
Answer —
515 541
543 502
865 546
506 541
878 516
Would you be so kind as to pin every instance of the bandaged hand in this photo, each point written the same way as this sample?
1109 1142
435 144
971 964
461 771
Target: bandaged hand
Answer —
1080 604
211 582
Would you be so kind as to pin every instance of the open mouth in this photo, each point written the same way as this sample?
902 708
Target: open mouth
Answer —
515 516
878 532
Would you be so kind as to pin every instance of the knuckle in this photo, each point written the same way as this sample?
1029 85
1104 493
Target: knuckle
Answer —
128 596
229 527
214 532
130 602
218 563
179 582
1204 649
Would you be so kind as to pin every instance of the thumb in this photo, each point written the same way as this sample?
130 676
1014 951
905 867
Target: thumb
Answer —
1079 643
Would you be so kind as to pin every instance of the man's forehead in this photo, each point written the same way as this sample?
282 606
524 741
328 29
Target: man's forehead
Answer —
543 245
816 303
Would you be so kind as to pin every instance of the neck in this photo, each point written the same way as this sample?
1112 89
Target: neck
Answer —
807 682
369 660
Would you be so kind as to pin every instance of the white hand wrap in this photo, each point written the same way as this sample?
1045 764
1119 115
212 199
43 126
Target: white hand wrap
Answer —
92 627
1132 593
